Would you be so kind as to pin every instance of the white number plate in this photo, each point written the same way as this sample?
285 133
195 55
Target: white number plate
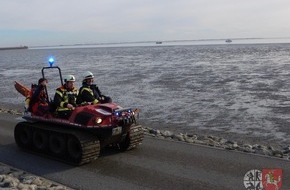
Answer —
117 131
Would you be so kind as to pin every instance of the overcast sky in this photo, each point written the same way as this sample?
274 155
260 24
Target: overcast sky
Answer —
54 22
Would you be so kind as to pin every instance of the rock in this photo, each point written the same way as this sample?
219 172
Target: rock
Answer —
214 138
189 139
145 130
277 153
37 181
179 137
154 131
230 142
4 169
4 184
18 174
201 138
190 135
248 146
210 142
267 152
199 142
247 149
47 183
8 181
235 145
286 150
223 141
167 133
27 187
270 148
27 179
257 147
230 147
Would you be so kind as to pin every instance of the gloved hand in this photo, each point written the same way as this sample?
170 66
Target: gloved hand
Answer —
70 106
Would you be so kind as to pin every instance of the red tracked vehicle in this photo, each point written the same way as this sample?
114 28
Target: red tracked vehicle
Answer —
78 139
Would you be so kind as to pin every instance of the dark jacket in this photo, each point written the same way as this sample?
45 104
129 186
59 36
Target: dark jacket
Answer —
91 94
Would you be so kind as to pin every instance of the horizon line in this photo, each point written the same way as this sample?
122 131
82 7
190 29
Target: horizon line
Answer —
151 41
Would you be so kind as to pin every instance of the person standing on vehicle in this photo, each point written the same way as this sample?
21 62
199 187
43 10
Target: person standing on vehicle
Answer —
89 93
65 97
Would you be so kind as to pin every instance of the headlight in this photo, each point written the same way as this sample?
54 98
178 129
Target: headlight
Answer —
98 120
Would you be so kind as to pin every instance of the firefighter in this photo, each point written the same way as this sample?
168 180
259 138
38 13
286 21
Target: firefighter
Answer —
65 97
89 93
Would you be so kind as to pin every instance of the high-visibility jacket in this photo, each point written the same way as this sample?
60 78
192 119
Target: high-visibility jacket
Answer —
63 97
89 93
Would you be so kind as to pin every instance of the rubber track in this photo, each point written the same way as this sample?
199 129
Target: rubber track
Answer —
89 143
90 147
136 135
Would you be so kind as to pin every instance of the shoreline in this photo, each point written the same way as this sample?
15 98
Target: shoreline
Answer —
274 150
14 48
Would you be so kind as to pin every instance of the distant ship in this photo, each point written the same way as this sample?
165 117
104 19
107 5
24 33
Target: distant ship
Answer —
11 48
159 42
228 40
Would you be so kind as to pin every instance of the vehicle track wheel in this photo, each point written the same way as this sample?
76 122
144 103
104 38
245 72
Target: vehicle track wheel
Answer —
74 148
133 138
57 144
40 140
23 135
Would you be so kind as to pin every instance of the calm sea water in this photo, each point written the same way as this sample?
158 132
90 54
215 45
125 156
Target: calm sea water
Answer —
236 91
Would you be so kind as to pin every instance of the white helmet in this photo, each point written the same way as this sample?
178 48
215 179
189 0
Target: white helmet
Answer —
68 78
88 75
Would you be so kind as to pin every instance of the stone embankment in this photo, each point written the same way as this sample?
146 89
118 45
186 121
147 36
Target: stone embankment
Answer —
10 111
218 142
11 178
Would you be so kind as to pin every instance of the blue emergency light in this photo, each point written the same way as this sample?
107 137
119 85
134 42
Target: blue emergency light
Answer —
51 61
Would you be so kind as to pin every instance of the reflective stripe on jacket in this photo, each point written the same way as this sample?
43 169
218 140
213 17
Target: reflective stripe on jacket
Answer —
90 91
63 97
